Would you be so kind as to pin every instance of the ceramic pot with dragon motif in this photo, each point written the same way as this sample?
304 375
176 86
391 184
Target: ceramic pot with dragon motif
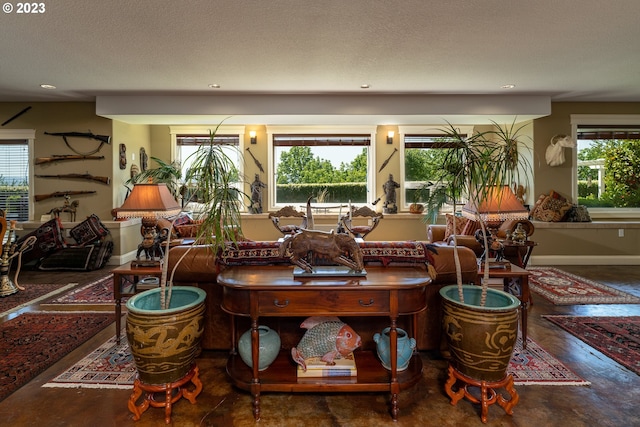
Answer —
481 338
165 342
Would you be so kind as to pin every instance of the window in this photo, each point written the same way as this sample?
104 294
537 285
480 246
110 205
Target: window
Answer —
189 139
607 162
421 162
15 182
331 167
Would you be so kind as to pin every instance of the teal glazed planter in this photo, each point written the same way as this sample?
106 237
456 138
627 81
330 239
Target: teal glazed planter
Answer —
405 348
165 343
268 349
481 339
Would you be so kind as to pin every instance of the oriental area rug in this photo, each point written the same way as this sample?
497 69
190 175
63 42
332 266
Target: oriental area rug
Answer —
32 294
97 292
112 366
32 342
615 337
562 288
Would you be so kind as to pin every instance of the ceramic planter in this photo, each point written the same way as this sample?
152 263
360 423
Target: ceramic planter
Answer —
481 339
164 343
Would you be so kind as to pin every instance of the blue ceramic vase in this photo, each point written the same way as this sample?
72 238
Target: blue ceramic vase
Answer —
269 347
406 346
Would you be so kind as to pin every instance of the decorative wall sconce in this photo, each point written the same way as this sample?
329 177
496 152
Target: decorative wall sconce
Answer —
390 135
252 136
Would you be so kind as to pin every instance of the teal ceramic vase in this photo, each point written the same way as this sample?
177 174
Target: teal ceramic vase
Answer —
481 338
405 348
269 347
165 343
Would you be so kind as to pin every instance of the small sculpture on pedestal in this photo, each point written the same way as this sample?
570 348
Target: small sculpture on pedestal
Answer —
389 187
256 195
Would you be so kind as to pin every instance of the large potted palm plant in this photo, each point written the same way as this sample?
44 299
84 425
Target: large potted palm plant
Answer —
480 323
164 325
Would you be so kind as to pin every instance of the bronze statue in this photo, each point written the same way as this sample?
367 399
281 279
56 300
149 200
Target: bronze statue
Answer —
256 195
389 188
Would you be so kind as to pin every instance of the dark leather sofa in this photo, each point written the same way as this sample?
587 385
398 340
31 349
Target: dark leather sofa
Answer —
200 268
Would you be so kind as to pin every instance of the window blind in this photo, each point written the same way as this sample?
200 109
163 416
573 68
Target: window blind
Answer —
14 179
293 140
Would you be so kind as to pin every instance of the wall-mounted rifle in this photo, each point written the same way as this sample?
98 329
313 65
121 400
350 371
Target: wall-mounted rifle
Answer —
40 197
256 161
104 139
63 157
86 176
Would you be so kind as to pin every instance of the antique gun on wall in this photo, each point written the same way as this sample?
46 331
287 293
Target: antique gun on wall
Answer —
40 197
105 139
61 157
87 176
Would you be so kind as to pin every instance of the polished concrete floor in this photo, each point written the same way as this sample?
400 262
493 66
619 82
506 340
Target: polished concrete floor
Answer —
612 399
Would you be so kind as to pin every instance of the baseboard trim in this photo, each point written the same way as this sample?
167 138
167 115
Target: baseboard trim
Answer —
585 260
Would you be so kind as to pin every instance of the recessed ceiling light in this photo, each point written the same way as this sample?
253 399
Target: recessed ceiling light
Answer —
214 86
509 86
47 86
365 86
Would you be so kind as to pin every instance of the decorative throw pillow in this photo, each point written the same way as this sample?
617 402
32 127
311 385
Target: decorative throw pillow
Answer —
49 239
552 209
88 231
461 222
76 258
470 228
578 213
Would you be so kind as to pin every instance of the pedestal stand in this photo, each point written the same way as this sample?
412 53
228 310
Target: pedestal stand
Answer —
488 394
172 393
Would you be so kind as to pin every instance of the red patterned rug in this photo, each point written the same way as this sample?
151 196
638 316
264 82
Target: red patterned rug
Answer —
31 295
32 342
97 292
112 366
562 288
615 337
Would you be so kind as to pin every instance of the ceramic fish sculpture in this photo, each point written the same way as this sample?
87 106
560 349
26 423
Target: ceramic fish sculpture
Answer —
326 337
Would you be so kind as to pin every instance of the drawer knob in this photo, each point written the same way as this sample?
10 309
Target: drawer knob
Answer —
277 303
366 304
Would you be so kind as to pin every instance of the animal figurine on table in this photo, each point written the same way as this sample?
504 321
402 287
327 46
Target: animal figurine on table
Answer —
151 243
326 337
495 246
329 245
68 206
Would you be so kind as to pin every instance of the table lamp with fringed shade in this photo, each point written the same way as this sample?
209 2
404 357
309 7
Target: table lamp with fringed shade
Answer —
149 202
499 205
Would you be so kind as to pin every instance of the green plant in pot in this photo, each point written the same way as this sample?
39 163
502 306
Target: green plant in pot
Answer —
480 324
164 325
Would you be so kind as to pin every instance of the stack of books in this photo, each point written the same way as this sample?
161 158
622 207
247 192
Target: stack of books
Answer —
343 367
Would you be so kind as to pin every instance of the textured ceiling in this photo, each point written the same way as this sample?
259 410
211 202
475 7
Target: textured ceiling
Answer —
568 50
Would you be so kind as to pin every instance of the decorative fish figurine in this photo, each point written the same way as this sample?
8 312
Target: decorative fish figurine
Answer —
326 337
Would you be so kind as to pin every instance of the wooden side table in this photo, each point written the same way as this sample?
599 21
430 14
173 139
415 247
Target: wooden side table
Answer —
515 282
273 291
125 284
519 253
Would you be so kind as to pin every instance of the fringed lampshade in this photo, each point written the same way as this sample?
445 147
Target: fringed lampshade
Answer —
149 201
500 205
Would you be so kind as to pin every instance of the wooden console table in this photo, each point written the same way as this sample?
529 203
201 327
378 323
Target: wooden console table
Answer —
272 291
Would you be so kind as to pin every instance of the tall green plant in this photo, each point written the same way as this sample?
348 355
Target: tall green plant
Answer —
167 173
472 168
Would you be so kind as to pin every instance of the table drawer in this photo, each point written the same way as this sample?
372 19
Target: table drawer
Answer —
323 302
